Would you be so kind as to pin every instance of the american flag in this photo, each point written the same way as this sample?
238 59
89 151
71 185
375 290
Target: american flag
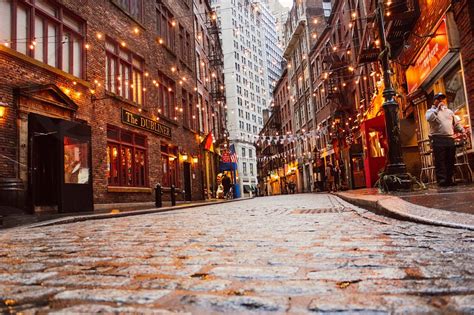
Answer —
233 155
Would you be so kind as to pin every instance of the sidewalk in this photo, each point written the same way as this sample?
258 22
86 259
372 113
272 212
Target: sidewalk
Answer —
451 207
102 211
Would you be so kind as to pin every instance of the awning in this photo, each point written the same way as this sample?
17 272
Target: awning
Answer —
249 188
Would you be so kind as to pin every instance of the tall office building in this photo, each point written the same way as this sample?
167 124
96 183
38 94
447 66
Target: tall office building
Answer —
280 13
251 62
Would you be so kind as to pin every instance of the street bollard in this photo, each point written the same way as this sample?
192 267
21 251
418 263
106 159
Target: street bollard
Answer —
158 196
173 195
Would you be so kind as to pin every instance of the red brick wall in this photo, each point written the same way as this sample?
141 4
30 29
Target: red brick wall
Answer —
106 18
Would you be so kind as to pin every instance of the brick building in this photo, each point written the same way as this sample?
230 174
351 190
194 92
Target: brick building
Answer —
305 22
210 91
100 101
275 150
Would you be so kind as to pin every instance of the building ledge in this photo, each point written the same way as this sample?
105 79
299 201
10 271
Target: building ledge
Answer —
294 38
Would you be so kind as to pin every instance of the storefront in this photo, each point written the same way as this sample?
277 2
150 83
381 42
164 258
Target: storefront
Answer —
56 148
374 143
437 68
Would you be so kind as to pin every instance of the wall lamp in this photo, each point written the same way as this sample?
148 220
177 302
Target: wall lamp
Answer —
3 110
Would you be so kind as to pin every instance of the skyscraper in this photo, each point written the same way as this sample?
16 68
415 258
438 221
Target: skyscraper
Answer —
252 65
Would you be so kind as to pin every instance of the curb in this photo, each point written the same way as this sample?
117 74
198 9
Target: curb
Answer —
400 209
101 216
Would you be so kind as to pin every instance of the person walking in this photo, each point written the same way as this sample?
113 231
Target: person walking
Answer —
329 173
443 124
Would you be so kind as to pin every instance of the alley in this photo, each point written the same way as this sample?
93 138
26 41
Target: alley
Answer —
292 254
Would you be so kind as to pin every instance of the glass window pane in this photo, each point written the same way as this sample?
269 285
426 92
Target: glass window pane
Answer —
21 30
113 80
77 57
39 38
76 161
127 78
52 46
66 52
139 88
5 21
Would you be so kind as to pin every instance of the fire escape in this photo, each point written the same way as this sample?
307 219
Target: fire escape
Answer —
337 71
216 65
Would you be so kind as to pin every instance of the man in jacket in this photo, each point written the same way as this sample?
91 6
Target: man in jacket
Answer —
443 124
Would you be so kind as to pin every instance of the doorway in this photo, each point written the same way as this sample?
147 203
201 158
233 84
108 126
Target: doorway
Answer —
59 155
45 173
187 181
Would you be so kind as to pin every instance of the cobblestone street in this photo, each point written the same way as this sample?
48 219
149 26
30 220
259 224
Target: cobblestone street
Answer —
292 254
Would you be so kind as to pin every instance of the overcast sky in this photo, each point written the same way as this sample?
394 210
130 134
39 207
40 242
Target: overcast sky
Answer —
287 3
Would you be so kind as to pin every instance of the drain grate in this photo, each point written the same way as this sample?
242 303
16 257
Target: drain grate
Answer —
320 211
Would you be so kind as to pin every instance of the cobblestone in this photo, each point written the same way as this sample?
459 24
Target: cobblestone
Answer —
266 255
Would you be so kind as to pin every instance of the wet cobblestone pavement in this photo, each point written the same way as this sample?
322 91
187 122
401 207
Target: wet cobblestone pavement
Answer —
297 254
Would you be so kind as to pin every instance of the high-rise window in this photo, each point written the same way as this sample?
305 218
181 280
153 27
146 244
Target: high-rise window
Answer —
34 29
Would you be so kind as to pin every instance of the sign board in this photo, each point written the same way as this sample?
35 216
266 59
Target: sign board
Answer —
148 124
431 55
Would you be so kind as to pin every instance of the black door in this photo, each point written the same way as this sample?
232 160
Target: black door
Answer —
44 155
187 181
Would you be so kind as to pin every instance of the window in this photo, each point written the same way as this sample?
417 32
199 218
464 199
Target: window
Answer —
124 73
165 25
166 96
35 30
251 169
244 168
250 153
169 163
126 158
132 7
243 152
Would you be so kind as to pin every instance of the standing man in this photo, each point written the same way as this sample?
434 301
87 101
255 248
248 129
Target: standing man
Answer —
226 183
329 173
443 124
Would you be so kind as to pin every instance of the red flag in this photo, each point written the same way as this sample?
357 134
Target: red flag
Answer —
209 142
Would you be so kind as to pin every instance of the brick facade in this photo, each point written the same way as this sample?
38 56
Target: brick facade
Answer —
103 108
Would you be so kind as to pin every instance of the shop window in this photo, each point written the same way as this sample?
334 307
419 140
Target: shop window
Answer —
76 161
34 28
456 97
169 162
126 158
124 73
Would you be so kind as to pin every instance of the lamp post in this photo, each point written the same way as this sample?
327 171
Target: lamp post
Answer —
395 166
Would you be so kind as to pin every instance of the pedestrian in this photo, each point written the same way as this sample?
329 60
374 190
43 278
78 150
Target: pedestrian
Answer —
329 173
226 184
443 124
337 177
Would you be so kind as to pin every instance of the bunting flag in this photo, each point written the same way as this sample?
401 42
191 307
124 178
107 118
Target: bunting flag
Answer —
209 142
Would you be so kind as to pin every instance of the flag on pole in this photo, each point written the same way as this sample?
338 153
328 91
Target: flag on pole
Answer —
209 142
233 154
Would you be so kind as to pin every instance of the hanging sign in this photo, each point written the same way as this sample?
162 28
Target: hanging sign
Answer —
141 122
